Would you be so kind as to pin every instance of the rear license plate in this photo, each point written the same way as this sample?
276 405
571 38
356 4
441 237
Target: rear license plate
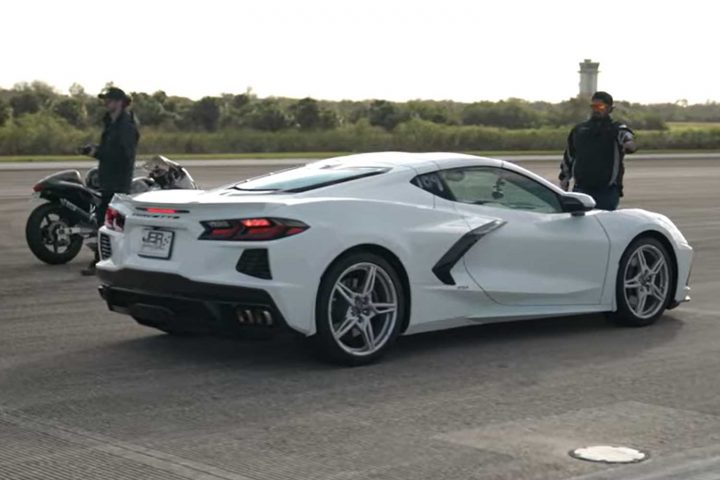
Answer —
156 243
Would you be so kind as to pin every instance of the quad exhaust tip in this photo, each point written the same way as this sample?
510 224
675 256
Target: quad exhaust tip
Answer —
260 317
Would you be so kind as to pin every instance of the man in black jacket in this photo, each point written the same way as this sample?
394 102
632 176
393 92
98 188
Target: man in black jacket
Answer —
595 152
116 152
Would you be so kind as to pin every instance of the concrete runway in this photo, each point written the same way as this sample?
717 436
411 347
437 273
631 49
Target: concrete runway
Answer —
87 394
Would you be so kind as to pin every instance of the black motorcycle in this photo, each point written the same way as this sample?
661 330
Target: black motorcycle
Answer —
56 230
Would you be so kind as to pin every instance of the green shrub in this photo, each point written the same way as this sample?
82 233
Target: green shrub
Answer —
43 134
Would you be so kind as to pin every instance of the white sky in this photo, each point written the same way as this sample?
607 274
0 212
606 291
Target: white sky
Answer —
464 50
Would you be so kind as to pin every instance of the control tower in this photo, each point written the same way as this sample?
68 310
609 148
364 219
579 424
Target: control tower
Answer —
588 78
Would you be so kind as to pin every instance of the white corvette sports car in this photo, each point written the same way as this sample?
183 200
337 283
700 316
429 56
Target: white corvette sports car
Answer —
355 251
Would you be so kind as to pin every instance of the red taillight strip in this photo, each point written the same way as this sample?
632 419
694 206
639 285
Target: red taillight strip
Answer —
162 210
256 222
223 232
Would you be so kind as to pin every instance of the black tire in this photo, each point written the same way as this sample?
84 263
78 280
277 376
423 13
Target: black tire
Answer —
325 341
36 235
626 314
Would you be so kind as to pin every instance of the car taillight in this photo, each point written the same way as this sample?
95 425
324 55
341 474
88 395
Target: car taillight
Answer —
251 229
114 220
161 210
38 187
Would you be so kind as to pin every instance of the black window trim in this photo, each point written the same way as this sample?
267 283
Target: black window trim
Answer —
329 183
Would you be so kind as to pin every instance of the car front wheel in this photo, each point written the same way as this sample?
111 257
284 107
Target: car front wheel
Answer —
644 283
360 308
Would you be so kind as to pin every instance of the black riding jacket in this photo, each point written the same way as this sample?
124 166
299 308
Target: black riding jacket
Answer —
594 154
116 152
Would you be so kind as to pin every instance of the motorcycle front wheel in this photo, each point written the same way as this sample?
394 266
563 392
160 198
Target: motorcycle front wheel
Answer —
45 238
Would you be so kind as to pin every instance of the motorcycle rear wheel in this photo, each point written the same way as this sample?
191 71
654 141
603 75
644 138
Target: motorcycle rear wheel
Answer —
41 234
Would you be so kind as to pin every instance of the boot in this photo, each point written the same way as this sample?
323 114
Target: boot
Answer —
90 270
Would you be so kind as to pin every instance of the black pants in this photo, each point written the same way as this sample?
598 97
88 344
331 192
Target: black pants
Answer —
605 198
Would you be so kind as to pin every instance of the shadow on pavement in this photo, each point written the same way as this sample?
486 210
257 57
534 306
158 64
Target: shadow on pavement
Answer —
578 339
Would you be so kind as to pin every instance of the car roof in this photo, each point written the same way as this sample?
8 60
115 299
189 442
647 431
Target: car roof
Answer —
409 159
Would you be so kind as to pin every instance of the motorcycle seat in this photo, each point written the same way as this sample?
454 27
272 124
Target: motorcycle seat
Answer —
72 176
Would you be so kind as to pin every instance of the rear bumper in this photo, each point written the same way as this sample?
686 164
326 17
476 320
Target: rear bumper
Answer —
171 301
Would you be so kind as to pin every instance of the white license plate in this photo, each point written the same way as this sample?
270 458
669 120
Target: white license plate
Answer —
156 243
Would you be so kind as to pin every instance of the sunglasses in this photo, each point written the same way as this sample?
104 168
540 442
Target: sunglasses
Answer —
598 106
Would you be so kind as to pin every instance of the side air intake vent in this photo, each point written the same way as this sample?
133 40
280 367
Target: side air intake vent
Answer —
254 262
105 247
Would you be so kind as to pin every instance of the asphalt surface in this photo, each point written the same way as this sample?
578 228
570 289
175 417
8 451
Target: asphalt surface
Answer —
87 394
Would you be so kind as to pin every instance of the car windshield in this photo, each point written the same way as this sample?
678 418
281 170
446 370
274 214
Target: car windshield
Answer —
306 178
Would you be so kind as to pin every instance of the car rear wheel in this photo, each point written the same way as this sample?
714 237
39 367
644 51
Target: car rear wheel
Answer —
360 308
644 283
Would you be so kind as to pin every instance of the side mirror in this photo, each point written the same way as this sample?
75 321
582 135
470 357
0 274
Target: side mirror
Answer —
577 203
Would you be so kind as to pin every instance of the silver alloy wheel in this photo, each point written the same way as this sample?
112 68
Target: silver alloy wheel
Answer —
646 281
51 227
363 309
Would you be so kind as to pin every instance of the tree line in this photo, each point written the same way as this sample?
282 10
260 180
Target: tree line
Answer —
36 118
